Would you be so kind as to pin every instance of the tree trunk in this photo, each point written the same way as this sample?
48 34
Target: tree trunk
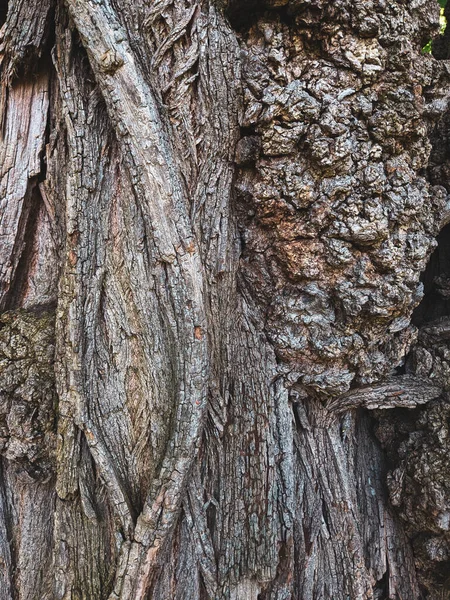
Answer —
214 220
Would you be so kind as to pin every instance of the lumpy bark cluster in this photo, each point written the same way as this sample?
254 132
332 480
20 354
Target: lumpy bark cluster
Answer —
340 216
214 220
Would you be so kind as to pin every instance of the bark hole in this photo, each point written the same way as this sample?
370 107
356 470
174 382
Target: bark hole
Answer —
436 281
243 14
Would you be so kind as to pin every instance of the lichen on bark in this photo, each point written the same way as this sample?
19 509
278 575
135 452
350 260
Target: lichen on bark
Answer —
28 404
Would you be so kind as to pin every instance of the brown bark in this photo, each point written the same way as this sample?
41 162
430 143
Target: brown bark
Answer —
214 220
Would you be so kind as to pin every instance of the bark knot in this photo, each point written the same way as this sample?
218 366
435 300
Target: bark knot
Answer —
111 61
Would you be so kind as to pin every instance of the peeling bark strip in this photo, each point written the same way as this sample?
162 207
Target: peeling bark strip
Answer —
397 392
20 159
229 204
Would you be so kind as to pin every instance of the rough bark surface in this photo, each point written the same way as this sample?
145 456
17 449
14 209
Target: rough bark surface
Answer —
214 220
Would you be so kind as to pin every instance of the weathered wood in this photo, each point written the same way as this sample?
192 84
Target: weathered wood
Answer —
402 391
20 165
23 43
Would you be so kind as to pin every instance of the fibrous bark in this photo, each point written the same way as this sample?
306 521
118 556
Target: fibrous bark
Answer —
214 220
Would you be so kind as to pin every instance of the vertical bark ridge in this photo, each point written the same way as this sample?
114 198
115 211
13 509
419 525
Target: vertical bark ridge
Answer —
81 279
85 540
33 546
6 578
134 112
345 531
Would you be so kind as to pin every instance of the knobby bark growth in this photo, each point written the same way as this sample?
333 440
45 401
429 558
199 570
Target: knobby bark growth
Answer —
214 220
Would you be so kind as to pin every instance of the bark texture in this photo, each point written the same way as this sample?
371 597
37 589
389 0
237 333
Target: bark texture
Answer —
214 220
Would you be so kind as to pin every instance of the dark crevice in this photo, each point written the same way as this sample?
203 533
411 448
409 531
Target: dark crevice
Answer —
440 46
436 282
326 516
3 12
287 14
42 176
242 15
35 57
381 589
248 131
203 592
295 410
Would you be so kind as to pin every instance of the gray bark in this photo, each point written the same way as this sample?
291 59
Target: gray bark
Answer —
214 220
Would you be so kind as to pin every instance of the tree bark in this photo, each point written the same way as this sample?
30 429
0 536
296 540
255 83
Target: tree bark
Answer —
215 220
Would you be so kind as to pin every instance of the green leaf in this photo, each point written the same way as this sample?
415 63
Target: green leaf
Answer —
427 49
